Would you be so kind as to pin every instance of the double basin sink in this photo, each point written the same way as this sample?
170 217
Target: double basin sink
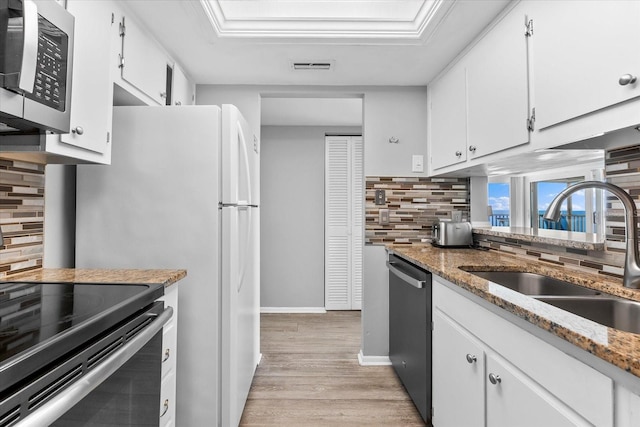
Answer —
591 304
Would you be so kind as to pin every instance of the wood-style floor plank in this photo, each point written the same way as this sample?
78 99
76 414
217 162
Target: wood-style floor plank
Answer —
310 376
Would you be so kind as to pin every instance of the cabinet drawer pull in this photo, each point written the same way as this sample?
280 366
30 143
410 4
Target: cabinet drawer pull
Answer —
627 79
165 405
167 354
471 358
495 379
78 130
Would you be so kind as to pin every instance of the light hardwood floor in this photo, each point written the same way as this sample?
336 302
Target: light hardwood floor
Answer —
310 376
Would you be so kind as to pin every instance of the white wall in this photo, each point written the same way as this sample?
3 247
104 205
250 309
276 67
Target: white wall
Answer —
292 216
59 216
388 111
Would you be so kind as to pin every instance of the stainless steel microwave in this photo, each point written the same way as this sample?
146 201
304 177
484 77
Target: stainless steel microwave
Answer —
36 61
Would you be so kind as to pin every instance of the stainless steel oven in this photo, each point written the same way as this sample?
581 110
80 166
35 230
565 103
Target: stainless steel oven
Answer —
80 354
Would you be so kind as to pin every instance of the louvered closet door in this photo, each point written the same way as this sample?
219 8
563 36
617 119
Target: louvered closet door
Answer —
344 204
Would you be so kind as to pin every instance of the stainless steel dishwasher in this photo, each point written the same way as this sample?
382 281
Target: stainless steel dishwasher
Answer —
410 330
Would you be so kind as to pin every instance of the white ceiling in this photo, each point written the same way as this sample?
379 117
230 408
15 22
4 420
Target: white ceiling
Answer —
407 49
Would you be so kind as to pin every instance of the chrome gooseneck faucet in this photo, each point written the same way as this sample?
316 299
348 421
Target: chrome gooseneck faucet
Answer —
631 277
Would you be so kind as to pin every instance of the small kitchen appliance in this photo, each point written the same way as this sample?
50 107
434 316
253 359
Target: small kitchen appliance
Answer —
452 234
36 56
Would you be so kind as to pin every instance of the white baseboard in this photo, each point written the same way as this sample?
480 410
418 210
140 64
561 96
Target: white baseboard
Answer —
320 310
373 360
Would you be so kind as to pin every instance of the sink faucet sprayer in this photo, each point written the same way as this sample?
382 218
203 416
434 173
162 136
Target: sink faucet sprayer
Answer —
631 277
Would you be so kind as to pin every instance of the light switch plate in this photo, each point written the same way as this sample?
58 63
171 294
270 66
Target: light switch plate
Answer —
417 163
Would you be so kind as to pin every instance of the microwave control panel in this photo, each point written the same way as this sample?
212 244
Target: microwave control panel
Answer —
50 84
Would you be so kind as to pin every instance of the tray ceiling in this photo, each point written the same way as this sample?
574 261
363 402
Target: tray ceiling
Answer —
360 19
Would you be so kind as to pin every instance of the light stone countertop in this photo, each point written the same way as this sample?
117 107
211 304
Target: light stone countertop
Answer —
566 239
619 348
112 276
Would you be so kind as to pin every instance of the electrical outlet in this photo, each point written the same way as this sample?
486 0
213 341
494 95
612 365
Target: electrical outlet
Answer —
456 216
417 163
380 197
383 216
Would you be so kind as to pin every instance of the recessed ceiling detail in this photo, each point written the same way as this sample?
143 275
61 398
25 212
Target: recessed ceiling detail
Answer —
379 21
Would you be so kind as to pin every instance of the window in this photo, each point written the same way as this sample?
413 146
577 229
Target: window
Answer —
499 202
573 215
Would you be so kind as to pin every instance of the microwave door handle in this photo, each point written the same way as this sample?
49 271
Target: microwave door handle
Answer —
61 403
30 47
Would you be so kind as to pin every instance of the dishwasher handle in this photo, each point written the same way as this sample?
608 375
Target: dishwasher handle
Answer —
405 277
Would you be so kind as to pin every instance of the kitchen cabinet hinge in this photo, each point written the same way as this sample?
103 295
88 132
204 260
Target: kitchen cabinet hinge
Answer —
123 31
531 121
432 325
108 137
528 23
432 411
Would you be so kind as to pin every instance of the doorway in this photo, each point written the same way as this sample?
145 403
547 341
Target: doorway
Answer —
293 196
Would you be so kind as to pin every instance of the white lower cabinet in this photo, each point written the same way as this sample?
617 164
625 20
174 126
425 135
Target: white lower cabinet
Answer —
458 375
169 344
513 399
487 371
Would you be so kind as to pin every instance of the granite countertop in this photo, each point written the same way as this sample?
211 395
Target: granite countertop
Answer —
115 276
566 239
619 348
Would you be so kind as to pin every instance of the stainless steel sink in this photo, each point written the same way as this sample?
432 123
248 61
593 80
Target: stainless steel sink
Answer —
534 284
608 311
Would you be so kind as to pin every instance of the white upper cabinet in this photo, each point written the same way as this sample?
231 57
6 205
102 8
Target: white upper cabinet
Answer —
497 88
143 64
183 90
584 53
448 130
480 106
92 90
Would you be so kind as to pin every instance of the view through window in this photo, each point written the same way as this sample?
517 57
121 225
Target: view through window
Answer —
499 199
573 212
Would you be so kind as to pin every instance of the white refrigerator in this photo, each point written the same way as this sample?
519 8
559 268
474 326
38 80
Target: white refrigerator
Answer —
182 192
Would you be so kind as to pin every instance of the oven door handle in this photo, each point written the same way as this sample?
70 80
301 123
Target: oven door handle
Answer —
58 405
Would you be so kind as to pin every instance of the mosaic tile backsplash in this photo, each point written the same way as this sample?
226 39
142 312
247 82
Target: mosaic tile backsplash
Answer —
414 204
21 216
622 168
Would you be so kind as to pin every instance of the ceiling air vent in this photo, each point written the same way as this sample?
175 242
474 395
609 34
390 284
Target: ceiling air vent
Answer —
319 65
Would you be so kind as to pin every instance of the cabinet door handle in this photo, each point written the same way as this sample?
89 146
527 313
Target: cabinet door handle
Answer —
458 153
167 354
472 148
627 79
495 379
471 358
78 130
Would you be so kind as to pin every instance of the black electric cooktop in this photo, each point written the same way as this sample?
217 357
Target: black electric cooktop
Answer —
40 322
